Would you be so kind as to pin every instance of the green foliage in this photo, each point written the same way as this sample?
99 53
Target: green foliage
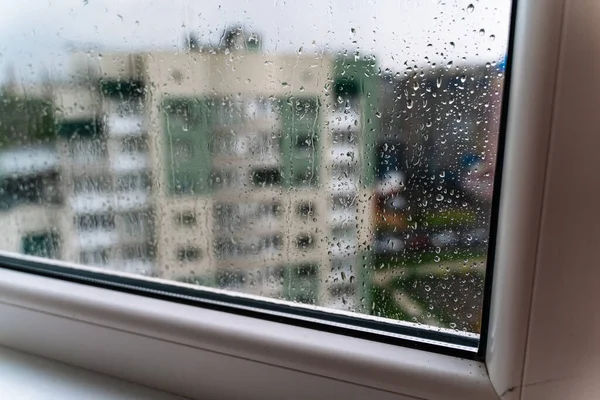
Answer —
383 305
450 218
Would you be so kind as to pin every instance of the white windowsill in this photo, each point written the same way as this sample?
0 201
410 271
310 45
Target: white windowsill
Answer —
143 340
23 376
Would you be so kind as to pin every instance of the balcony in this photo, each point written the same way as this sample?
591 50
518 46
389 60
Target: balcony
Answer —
344 185
348 120
343 153
141 267
343 247
342 217
90 203
124 162
131 125
97 239
23 162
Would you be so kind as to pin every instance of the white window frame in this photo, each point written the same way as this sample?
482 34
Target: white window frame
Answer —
202 353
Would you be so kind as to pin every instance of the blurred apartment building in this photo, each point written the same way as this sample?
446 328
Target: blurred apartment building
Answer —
228 167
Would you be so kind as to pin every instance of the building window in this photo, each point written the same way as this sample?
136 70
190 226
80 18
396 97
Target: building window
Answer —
224 179
137 224
91 184
186 218
187 254
95 221
266 177
305 241
305 142
95 257
138 252
268 210
306 209
228 279
87 150
133 182
43 244
133 145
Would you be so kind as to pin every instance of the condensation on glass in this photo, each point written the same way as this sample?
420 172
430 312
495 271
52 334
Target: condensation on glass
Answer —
331 154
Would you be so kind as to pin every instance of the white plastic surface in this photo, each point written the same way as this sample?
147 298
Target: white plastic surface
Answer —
536 54
202 353
563 352
26 377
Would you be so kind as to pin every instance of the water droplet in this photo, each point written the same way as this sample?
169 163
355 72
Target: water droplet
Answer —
427 288
481 32
439 197
492 37
409 104
470 8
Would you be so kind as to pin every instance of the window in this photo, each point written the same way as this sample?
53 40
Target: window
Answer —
305 241
133 145
398 152
137 224
186 218
138 252
91 184
87 150
304 142
95 221
138 181
18 191
188 254
224 179
434 123
355 157
266 177
95 257
267 210
306 209
41 244
230 279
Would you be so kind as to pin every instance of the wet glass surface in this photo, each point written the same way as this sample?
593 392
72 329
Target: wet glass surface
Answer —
331 154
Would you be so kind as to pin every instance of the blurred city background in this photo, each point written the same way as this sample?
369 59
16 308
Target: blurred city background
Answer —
331 178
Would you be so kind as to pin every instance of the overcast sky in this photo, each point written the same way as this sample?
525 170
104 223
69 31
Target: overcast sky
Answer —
36 32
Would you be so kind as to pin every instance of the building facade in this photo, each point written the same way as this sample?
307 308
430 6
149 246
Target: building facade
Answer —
231 168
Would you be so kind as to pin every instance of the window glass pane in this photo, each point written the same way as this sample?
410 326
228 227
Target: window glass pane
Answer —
334 154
